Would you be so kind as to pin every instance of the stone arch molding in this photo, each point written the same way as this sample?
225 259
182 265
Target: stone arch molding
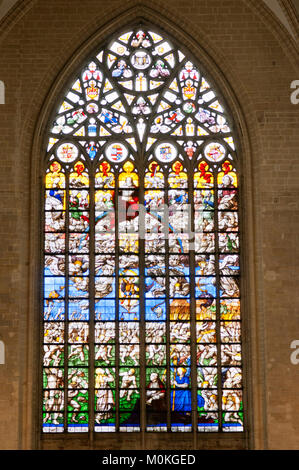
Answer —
134 16
11 10
2 92
2 353
213 63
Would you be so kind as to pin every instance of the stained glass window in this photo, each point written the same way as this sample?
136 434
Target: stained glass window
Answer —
141 291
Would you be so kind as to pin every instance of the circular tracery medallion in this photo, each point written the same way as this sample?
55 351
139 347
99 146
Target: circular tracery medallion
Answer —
215 152
67 152
166 152
116 152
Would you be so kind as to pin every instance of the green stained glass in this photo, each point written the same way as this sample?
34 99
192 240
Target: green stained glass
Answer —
141 266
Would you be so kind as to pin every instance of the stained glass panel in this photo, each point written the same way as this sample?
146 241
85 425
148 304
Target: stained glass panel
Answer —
141 285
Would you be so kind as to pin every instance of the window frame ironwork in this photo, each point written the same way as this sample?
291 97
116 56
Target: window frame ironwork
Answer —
140 164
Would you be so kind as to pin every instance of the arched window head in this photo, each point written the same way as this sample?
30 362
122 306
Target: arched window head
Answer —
141 296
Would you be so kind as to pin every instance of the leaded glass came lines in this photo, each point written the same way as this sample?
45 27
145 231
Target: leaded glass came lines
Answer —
141 290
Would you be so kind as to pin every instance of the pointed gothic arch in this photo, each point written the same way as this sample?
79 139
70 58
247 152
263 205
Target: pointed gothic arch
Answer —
176 148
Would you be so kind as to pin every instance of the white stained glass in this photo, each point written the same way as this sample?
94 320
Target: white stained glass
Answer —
144 127
119 49
116 152
141 60
141 128
215 152
67 152
170 96
65 107
110 60
156 37
166 152
73 97
111 97
125 37
162 48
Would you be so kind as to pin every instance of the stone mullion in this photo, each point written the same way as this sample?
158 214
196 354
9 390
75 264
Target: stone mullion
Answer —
42 296
218 323
142 338
91 375
165 229
167 82
193 338
66 319
139 162
116 241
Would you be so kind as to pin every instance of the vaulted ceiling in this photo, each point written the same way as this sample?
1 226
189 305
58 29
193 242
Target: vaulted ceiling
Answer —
274 5
279 11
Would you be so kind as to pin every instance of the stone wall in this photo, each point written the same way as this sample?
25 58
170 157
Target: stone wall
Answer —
253 60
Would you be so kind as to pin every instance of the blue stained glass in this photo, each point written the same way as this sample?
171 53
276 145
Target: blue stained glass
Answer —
128 287
54 287
177 198
233 425
78 309
92 151
229 265
180 395
105 421
128 264
107 270
154 287
105 287
207 400
105 309
179 243
154 265
229 287
129 272
178 265
79 243
205 287
205 265
153 100
55 426
78 287
179 287
207 420
180 355
129 309
155 309
54 309
153 199
78 265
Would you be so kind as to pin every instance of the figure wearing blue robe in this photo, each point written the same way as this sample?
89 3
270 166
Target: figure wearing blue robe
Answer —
208 203
92 151
181 400
181 395
109 118
56 194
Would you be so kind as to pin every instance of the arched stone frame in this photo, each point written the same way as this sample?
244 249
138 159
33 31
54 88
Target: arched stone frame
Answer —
2 353
243 149
2 92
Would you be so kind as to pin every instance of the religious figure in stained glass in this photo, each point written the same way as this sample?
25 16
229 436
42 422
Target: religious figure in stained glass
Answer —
141 310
